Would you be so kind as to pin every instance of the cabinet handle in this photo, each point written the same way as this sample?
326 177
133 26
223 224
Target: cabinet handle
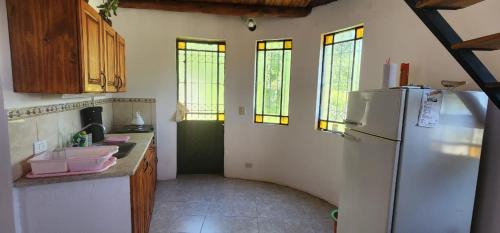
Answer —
147 166
120 82
103 82
150 170
116 83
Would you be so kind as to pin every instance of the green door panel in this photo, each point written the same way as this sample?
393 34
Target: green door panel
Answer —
200 147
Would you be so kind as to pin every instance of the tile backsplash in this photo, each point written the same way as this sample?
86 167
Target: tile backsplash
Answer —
124 110
58 123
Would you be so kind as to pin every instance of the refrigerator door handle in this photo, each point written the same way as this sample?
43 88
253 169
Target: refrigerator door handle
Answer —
351 137
346 135
350 122
340 133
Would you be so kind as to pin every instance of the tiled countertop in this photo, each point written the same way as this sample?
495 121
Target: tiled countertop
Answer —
124 167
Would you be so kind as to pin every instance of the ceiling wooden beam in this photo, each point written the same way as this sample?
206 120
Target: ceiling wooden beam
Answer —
315 3
217 8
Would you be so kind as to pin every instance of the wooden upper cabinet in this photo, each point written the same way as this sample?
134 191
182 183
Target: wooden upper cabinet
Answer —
44 45
62 47
91 50
110 71
120 53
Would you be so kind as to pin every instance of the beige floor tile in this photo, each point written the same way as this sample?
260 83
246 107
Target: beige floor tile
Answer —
238 206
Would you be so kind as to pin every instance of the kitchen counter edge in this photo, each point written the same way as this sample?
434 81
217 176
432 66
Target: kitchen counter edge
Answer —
126 166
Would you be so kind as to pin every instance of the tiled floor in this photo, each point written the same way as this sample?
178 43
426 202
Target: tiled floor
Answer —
213 204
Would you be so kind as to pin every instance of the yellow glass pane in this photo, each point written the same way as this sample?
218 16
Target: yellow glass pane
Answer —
220 117
288 44
284 120
323 124
360 32
258 118
222 48
181 45
261 45
329 39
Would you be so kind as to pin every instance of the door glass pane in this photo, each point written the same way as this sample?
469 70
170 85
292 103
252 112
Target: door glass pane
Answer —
200 69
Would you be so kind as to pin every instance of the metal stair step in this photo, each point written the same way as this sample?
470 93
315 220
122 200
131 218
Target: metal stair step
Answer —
492 86
446 4
486 43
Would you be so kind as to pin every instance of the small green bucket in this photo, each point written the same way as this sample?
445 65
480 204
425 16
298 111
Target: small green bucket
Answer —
335 214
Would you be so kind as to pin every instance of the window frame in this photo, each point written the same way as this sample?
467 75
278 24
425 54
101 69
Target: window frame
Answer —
284 120
220 113
328 39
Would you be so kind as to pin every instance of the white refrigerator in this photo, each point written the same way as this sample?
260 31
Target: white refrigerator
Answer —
403 178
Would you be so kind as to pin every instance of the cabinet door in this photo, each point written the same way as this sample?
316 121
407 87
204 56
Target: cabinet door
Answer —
120 54
137 200
110 61
91 49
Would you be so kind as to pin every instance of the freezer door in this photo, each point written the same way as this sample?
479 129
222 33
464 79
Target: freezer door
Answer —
377 112
370 168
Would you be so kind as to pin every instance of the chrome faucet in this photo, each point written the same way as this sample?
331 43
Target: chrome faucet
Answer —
75 139
91 124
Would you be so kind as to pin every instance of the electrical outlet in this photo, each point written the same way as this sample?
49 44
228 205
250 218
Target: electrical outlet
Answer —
40 146
248 165
241 111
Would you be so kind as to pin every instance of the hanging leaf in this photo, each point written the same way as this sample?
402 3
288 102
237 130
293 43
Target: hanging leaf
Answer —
108 8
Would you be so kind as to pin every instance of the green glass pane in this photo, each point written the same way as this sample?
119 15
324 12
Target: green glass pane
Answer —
222 60
330 126
341 82
182 87
357 65
272 89
326 84
286 83
343 36
259 83
201 46
274 45
336 70
271 119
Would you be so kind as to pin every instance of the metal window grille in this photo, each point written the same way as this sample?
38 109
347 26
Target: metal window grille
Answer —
272 85
340 72
200 72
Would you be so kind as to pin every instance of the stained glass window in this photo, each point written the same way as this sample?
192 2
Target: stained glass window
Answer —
340 71
200 72
272 81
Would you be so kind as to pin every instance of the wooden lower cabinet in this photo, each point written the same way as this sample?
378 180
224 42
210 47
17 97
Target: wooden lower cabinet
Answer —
142 188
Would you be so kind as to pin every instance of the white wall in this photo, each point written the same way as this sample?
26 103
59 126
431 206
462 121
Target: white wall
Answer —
6 206
100 206
296 155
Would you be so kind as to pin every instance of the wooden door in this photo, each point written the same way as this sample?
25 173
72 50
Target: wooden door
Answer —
110 61
120 54
91 49
200 147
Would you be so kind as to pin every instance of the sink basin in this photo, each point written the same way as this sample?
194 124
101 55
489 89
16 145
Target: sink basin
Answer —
124 149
